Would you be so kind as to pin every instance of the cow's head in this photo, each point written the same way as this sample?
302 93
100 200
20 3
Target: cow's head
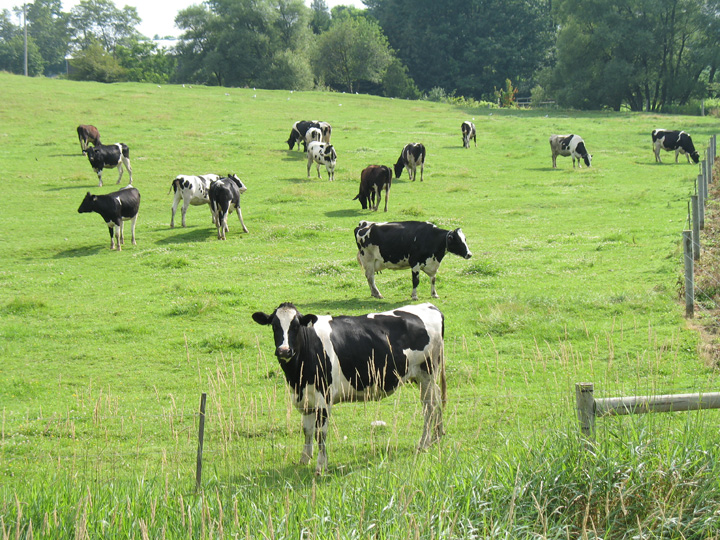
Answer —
687 145
286 323
399 167
294 137
362 196
242 188
457 244
88 204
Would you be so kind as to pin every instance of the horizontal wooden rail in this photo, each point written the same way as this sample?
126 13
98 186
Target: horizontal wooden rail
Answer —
588 408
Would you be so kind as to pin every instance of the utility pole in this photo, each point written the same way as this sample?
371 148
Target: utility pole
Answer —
26 52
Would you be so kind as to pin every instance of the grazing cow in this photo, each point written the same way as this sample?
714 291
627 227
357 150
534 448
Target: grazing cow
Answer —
468 132
328 360
299 131
569 145
322 154
224 196
373 180
417 245
679 141
411 156
192 190
312 134
115 208
88 134
109 156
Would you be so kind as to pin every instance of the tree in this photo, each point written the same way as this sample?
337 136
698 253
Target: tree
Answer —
99 21
351 51
467 46
49 27
320 21
640 52
12 56
397 82
244 42
143 61
94 63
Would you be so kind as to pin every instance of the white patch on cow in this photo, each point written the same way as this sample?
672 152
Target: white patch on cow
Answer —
285 316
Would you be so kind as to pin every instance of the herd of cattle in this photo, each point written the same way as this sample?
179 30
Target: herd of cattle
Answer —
327 360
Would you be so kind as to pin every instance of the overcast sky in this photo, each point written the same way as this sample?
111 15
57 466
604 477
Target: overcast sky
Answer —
157 17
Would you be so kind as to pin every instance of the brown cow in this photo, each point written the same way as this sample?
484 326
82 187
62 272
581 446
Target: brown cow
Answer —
373 179
88 134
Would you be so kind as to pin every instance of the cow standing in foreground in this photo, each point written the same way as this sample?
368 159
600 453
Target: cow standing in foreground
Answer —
88 134
569 145
417 245
328 360
299 131
322 154
679 141
224 196
115 208
468 132
412 156
373 180
109 156
193 190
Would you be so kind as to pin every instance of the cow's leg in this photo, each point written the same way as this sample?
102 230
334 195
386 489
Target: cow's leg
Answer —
370 275
433 292
430 396
321 429
111 228
308 423
677 153
411 172
415 282
318 170
310 162
120 170
176 201
239 213
422 168
126 161
554 160
99 173
387 194
132 223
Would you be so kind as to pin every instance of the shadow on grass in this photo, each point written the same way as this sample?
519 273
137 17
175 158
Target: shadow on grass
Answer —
84 251
352 212
185 235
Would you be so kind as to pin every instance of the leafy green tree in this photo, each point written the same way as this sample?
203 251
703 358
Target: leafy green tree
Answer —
243 42
143 61
49 27
320 21
468 47
99 21
640 52
397 82
94 63
12 55
351 51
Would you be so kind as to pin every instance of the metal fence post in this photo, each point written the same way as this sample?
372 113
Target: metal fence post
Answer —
201 437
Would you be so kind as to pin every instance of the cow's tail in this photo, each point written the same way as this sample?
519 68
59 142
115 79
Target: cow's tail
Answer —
174 186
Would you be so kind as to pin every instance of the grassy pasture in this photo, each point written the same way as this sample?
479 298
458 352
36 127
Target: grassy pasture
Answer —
105 354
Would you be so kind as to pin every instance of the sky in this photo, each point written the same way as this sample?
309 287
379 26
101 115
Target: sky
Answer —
157 17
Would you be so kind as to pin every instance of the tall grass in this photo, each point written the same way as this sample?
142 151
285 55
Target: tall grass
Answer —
105 354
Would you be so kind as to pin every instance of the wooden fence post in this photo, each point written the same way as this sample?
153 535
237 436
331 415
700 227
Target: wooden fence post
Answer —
695 227
585 404
201 437
689 274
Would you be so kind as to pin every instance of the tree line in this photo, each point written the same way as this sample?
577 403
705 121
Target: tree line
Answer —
586 54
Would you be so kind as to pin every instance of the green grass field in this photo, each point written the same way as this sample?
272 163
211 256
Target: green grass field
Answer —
104 354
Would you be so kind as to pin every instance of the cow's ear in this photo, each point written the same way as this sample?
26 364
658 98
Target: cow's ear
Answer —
308 320
261 318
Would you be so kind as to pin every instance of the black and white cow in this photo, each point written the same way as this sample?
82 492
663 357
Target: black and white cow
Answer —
193 190
322 154
109 156
312 134
224 196
373 180
328 360
417 245
88 134
468 132
678 141
569 145
115 208
299 130
412 156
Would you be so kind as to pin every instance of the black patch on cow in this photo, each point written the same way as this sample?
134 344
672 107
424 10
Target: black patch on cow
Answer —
370 349
113 207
